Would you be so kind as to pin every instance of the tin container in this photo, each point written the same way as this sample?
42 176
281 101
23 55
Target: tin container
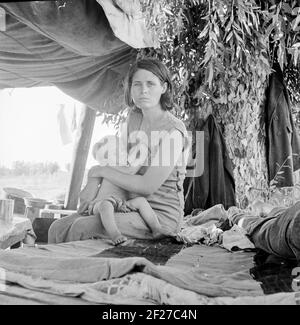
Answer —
6 210
18 196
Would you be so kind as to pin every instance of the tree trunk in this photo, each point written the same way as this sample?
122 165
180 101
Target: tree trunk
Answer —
244 132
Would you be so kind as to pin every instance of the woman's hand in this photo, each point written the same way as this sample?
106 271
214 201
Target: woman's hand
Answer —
97 171
155 175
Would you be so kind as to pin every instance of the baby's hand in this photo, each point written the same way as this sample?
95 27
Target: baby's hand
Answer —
130 205
83 207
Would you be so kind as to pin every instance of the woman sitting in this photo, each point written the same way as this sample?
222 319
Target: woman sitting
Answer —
148 93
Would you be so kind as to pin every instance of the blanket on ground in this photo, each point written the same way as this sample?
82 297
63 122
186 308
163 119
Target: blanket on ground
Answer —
151 272
196 275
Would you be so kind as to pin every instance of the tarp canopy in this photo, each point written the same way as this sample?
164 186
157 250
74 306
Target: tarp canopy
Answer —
70 44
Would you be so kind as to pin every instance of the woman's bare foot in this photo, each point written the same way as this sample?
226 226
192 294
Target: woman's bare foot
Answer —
162 233
119 240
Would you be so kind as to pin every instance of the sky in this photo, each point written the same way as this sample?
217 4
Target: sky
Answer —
29 128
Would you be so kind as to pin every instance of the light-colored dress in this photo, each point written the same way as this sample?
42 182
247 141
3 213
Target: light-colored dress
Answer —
167 201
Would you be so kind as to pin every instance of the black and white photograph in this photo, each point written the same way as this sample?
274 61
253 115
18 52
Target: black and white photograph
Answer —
149 156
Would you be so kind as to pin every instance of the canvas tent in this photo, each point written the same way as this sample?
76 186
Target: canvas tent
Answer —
84 47
72 44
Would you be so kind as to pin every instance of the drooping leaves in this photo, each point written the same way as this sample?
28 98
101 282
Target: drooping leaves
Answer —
221 53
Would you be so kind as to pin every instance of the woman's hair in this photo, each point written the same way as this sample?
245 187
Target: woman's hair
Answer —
159 70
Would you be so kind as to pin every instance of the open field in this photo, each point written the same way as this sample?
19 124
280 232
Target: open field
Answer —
43 186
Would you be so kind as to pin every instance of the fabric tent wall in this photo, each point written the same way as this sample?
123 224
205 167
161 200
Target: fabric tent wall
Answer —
68 44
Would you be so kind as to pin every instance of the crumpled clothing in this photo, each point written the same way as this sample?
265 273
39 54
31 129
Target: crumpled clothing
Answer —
236 238
207 234
215 213
215 226
18 226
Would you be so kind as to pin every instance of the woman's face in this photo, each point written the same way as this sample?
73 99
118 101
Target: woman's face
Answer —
146 89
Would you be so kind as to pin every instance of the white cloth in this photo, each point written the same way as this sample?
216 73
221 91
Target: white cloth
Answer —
128 23
207 234
64 129
18 226
236 238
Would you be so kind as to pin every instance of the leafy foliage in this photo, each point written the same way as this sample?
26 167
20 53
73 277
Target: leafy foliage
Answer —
221 54
34 168
181 49
205 41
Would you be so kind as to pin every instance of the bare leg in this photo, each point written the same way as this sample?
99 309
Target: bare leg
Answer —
88 193
106 211
143 207
90 190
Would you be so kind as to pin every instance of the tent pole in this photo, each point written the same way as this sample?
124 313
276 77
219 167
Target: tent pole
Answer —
80 154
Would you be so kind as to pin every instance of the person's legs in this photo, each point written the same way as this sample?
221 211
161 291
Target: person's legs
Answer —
294 236
278 233
105 210
148 215
60 228
75 227
130 225
86 228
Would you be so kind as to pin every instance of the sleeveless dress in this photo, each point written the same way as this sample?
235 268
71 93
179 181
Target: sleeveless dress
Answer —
168 200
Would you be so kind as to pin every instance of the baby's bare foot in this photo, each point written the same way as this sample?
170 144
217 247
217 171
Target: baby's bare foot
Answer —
119 240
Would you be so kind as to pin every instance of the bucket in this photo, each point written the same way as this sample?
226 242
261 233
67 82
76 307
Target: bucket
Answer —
35 202
18 196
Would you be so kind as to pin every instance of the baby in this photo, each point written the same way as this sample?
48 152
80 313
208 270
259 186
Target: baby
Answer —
111 198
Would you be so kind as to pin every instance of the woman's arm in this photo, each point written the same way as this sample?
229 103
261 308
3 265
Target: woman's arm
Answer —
166 157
